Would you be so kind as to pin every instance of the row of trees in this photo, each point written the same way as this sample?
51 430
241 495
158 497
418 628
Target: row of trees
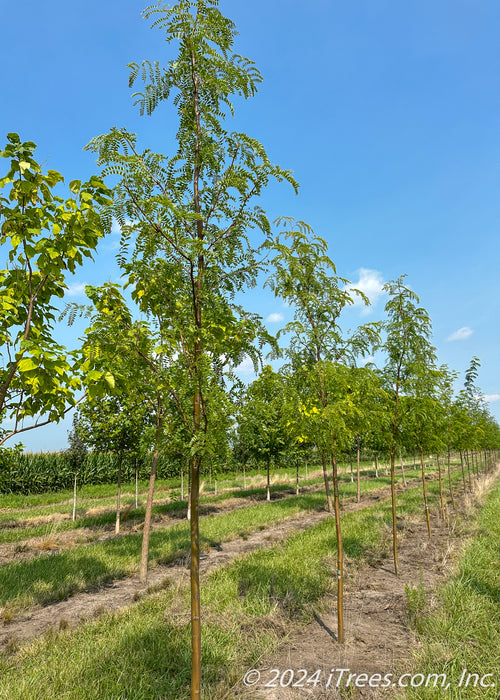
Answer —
189 223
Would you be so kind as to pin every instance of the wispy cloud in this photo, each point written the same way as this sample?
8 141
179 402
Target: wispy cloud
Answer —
489 398
461 334
370 283
246 367
275 318
77 289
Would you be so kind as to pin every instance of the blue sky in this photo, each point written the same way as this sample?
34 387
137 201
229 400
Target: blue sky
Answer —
388 113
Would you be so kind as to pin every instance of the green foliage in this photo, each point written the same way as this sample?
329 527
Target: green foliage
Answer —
47 238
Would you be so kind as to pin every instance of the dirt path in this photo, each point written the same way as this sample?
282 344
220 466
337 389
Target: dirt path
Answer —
378 637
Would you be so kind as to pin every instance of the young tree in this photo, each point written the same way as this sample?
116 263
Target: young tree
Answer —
48 237
305 276
191 215
408 329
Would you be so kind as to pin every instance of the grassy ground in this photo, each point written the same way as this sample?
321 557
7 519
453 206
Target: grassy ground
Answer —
462 635
48 578
144 652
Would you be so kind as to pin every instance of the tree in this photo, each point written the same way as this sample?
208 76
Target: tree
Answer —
305 276
114 424
406 346
260 420
191 215
49 237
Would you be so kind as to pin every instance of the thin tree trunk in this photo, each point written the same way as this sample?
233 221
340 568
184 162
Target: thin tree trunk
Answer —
195 579
340 556
143 570
215 489
268 490
306 471
402 470
358 482
463 470
352 470
182 483
74 498
136 484
449 480
327 485
440 486
376 466
468 468
189 495
297 479
244 476
394 522
424 489
118 494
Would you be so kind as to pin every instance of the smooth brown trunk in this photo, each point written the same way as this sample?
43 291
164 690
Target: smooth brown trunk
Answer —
402 470
463 470
268 489
358 478
74 498
327 485
340 556
424 489
118 496
143 570
440 486
195 580
449 480
394 522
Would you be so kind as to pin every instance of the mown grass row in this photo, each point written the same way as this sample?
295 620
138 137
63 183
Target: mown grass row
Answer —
461 637
48 578
144 652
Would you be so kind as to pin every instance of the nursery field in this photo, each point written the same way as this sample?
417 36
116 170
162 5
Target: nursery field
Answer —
78 623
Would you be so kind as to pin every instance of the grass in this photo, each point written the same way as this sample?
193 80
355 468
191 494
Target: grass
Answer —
48 578
464 631
247 607
144 652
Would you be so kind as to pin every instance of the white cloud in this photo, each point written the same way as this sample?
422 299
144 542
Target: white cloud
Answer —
246 367
275 318
370 283
489 398
461 334
77 289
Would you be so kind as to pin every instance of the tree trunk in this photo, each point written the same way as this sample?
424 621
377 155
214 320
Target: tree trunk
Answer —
306 471
440 485
402 469
297 479
189 495
340 556
424 489
244 476
463 470
74 498
143 570
268 490
358 450
136 484
376 466
394 523
352 470
449 480
195 579
118 495
182 483
468 468
327 485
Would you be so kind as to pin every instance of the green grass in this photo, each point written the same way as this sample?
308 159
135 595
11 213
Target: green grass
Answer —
144 652
464 631
247 607
49 578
